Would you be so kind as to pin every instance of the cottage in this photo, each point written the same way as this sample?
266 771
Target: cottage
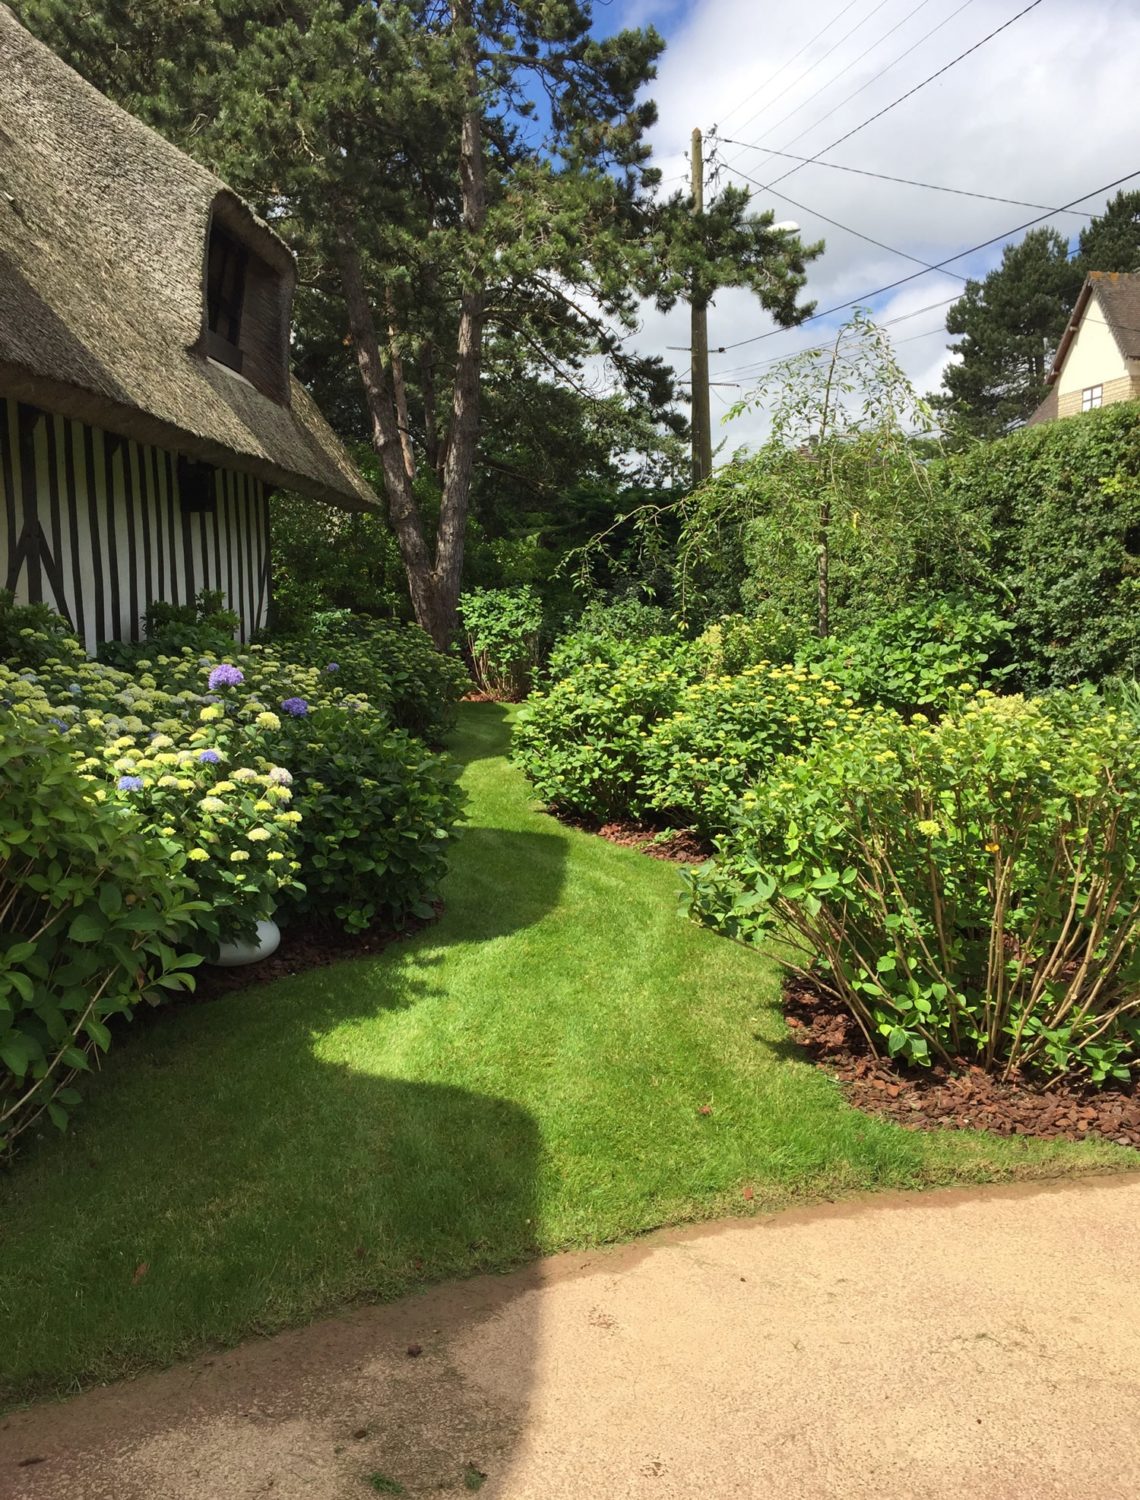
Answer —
1098 358
147 409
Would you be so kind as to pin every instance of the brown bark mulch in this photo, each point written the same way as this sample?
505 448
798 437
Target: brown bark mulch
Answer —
934 1098
682 846
304 946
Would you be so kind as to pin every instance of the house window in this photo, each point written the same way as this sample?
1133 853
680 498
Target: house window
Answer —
225 294
1091 397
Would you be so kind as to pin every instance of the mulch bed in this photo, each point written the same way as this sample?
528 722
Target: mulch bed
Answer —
682 846
933 1098
304 946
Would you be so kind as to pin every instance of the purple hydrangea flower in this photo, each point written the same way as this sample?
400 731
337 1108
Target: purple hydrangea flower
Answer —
295 706
225 676
210 757
130 783
333 666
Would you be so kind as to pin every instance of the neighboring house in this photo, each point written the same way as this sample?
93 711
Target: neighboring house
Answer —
1098 359
147 408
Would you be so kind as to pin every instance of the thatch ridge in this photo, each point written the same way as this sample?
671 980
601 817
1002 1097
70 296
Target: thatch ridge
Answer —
103 232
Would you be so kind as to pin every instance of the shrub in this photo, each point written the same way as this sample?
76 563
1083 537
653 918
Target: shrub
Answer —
395 666
970 890
377 809
926 656
734 642
30 633
603 631
725 735
205 625
1062 502
93 909
583 741
502 629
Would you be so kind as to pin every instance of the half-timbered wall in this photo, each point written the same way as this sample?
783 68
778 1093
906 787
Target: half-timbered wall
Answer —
94 525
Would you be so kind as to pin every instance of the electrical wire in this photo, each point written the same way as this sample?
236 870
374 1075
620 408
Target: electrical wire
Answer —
904 181
854 63
773 76
858 233
954 61
938 265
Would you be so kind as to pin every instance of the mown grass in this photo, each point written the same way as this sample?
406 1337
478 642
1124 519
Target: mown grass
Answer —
529 1074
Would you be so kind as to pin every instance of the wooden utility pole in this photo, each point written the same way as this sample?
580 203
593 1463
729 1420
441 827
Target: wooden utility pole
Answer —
698 302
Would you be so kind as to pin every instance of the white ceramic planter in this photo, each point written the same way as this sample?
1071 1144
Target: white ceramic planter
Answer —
233 955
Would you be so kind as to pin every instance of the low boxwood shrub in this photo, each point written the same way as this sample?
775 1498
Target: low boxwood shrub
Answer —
502 630
93 911
969 890
725 735
582 742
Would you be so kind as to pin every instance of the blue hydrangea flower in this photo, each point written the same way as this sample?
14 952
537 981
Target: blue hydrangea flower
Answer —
211 757
225 676
295 706
130 783
74 688
333 666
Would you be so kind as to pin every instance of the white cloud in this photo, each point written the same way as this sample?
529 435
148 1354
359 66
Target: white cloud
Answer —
1045 111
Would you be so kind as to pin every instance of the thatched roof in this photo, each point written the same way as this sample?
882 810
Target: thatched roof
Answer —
1117 294
103 233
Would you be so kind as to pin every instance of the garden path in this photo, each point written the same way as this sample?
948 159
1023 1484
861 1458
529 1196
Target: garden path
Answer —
963 1343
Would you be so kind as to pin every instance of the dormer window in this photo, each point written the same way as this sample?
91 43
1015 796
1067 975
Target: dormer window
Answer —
247 285
225 294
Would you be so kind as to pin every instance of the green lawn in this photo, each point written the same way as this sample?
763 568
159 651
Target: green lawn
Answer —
526 1075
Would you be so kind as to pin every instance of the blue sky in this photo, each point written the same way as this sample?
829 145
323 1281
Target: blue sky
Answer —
1046 110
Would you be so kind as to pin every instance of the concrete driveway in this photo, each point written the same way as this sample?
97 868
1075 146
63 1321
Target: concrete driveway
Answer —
960 1344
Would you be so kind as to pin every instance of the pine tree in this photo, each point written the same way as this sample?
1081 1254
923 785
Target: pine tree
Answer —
1112 241
457 176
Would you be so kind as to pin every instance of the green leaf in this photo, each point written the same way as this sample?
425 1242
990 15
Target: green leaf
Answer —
87 928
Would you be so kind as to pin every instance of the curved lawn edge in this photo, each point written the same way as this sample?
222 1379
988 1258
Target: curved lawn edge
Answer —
562 1061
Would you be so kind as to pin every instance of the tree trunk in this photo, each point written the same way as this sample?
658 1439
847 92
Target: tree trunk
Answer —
402 510
400 391
463 427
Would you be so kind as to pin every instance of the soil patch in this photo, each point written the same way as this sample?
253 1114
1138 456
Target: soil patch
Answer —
935 1098
304 945
682 845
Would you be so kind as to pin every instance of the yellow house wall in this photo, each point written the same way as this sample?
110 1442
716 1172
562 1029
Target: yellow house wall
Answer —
1093 359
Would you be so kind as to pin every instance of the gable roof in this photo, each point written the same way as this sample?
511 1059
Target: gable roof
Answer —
1117 295
103 234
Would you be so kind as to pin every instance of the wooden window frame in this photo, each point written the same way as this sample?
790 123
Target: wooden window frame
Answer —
1092 398
227 265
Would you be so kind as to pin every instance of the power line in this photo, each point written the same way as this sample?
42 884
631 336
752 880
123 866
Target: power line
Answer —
858 233
886 177
756 366
773 76
954 61
822 58
855 62
938 265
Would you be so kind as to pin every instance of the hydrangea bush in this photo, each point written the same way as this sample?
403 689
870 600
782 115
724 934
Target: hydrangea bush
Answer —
725 735
94 908
971 889
583 741
254 784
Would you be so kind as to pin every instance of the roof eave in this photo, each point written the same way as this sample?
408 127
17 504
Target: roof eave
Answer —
88 406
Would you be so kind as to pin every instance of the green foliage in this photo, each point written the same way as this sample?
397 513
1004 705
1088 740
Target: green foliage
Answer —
204 625
726 734
1062 504
503 630
927 655
582 742
30 633
377 809
1111 242
395 666
603 631
198 750
1010 325
734 642
970 890
325 558
94 907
